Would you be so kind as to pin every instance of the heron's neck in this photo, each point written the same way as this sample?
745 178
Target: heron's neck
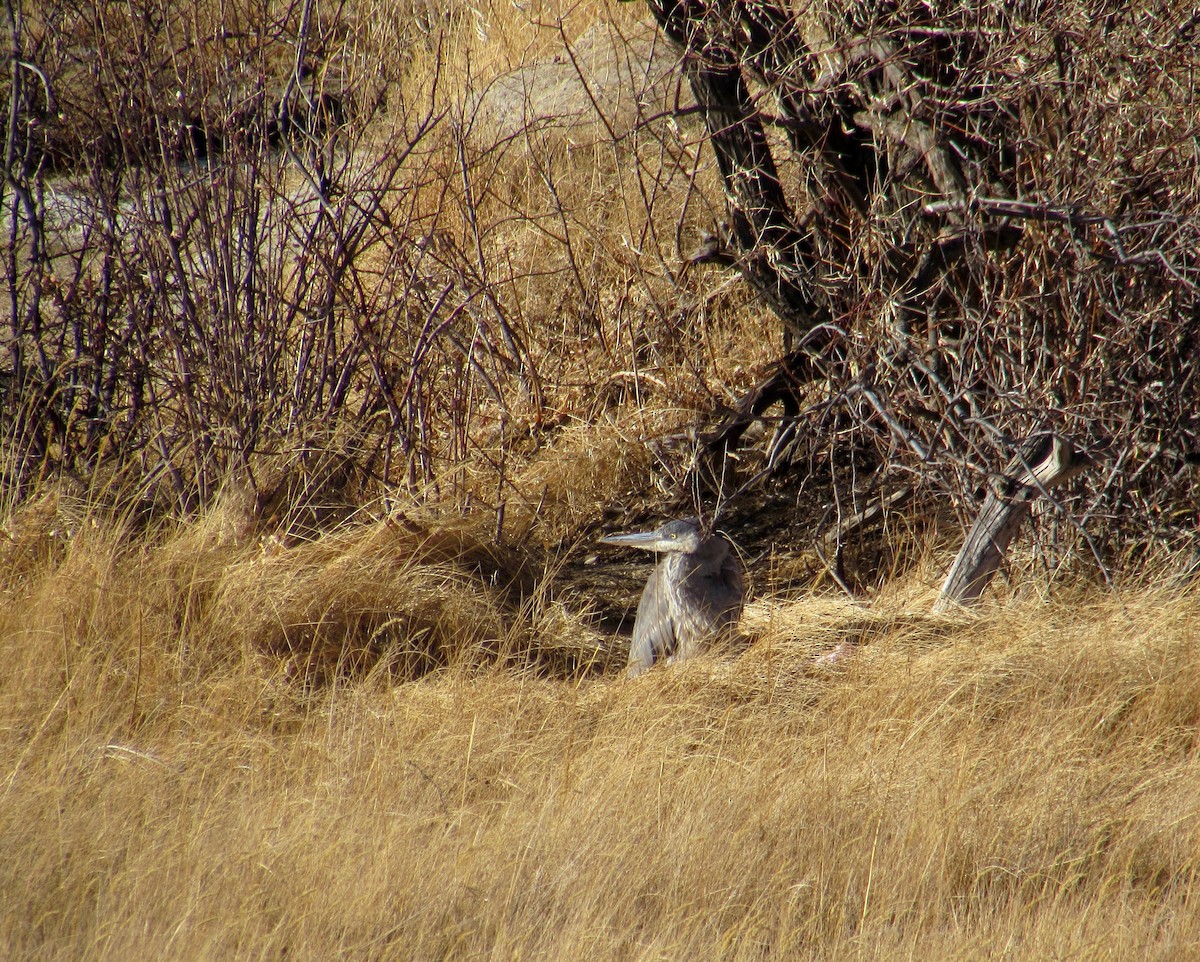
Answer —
707 558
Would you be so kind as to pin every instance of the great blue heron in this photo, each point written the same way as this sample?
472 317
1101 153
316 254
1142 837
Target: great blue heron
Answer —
694 596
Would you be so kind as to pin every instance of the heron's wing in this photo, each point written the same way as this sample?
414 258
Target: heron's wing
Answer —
733 595
711 598
654 631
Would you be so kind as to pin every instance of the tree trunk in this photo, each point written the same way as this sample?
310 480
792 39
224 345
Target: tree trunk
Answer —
1046 460
766 244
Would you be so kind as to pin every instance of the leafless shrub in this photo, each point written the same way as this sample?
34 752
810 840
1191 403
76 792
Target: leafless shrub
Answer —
231 246
973 222
281 244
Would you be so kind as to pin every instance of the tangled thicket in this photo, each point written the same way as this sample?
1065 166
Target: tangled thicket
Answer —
246 245
244 240
979 220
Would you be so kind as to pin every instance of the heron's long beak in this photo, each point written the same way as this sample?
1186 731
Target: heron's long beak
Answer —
639 539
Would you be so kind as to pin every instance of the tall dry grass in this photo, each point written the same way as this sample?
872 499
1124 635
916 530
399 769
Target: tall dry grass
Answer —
355 703
1021 785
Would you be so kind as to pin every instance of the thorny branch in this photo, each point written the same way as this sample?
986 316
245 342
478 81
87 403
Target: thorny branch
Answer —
920 160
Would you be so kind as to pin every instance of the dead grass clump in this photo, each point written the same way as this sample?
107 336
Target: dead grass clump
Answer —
342 603
567 486
32 535
195 596
1017 784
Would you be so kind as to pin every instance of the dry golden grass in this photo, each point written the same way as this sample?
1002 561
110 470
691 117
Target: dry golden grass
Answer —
397 739
1022 784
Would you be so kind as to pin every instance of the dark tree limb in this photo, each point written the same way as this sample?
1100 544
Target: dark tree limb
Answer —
782 385
769 248
1045 461
835 123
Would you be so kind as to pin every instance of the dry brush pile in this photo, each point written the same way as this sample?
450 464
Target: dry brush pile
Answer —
975 221
334 250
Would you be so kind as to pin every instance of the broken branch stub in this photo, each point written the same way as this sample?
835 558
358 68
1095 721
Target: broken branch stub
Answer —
1045 461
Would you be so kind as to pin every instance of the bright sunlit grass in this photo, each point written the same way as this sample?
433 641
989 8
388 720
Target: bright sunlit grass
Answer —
1020 784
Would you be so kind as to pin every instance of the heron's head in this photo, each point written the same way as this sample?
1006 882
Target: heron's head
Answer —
684 535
